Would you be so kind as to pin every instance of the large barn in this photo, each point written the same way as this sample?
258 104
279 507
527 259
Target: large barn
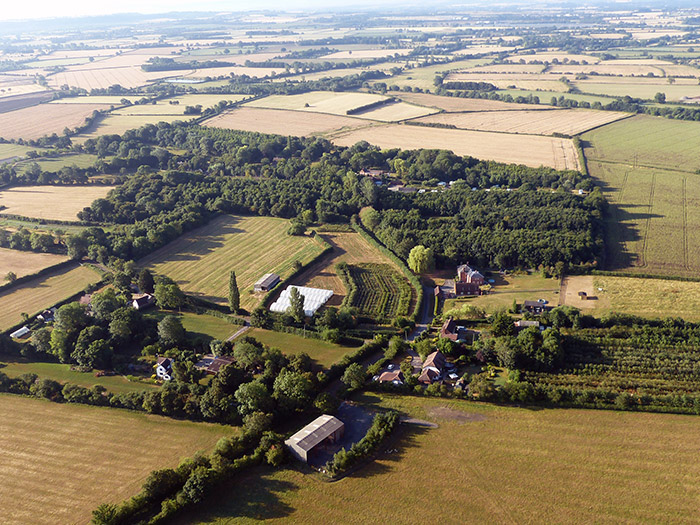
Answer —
323 429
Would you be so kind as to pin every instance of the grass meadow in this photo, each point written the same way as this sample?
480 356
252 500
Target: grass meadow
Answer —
40 293
50 202
60 461
490 464
645 297
202 260
323 354
14 367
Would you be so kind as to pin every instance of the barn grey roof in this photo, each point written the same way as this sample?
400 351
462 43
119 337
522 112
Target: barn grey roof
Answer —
267 280
315 432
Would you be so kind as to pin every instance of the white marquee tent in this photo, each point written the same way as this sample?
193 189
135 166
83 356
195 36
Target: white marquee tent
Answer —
314 298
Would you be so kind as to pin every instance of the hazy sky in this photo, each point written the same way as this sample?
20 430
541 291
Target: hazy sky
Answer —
22 9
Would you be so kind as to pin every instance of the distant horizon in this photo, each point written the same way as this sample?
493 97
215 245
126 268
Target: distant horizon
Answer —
37 10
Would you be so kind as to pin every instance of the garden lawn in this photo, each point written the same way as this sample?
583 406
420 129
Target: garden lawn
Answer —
324 354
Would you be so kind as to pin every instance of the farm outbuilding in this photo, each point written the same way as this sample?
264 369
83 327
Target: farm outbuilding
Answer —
19 333
314 298
267 282
323 429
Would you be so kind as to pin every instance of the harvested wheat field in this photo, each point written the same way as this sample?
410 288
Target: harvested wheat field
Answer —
37 294
23 263
61 461
282 122
357 54
36 121
102 78
201 261
566 121
501 147
457 104
335 103
50 202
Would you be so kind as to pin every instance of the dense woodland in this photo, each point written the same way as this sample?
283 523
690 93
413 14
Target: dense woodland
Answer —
312 180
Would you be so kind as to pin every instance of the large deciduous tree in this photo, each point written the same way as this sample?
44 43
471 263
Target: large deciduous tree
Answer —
421 259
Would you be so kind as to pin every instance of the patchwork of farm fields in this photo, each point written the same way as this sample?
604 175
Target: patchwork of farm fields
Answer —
496 465
673 92
277 121
648 174
457 104
502 147
201 261
566 121
36 121
23 263
50 202
40 293
60 461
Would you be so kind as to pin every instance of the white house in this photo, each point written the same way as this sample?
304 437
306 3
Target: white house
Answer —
164 368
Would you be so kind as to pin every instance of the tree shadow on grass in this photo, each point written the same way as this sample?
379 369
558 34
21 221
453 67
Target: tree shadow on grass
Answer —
255 496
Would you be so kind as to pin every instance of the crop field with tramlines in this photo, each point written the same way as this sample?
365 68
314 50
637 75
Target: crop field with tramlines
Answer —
649 177
378 291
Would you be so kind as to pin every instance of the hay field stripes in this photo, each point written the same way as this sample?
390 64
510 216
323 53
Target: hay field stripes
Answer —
60 461
34 296
201 260
50 202
530 150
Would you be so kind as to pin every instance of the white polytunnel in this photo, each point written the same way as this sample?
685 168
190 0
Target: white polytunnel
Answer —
314 298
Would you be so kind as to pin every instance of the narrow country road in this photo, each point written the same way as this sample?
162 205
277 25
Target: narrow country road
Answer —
243 329
425 322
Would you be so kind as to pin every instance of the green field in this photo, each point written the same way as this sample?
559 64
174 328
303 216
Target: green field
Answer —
648 175
202 260
81 160
520 287
60 461
35 295
322 353
424 77
63 374
673 92
381 292
647 141
8 151
202 328
489 464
